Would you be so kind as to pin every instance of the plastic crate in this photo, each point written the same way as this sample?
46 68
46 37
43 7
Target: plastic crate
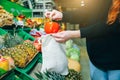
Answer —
23 33
14 8
36 59
2 31
16 75
18 28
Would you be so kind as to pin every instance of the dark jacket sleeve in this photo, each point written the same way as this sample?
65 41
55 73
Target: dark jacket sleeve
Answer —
101 29
95 30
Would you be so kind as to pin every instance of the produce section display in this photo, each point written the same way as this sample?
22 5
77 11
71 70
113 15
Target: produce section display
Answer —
15 8
21 54
20 48
5 17
17 51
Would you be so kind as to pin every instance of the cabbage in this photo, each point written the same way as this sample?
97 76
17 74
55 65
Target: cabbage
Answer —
69 44
75 57
74 53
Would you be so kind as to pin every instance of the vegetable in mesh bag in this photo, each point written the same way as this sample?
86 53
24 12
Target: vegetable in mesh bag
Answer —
53 55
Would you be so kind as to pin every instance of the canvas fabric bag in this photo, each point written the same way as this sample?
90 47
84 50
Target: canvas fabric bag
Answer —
53 55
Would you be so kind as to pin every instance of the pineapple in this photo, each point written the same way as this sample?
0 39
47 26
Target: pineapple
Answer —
6 52
73 75
49 76
30 48
1 42
19 56
21 52
24 50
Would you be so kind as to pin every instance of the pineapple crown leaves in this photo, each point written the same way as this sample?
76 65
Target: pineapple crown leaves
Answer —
39 75
11 41
49 76
2 41
73 75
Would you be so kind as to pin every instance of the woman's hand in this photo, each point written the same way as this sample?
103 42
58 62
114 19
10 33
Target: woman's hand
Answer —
66 35
54 15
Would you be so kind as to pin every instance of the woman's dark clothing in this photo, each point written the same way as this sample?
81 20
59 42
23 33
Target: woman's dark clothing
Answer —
103 40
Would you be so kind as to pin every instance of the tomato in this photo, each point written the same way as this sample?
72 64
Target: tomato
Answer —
21 16
51 27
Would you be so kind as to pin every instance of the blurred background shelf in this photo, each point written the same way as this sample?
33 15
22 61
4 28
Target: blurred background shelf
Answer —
84 59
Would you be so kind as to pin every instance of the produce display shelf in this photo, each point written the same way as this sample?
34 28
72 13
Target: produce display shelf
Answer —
18 28
2 32
15 9
36 59
16 75
23 33
21 72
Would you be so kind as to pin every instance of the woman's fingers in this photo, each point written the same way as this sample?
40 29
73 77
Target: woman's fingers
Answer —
54 15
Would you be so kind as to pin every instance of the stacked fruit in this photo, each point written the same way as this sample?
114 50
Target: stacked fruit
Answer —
30 48
21 54
5 17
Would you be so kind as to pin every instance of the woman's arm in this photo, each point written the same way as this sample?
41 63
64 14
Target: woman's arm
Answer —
66 35
100 29
94 30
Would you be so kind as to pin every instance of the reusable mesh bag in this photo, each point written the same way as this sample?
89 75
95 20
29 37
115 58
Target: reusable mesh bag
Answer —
53 55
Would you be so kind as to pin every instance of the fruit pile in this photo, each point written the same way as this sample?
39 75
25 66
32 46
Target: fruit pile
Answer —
5 17
21 54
